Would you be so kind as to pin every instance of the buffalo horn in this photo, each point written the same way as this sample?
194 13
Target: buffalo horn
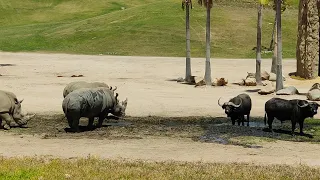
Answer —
304 105
234 105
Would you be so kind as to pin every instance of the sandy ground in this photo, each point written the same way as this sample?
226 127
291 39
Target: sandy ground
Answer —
145 81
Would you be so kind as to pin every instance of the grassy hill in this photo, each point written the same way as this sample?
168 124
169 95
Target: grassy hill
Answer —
138 27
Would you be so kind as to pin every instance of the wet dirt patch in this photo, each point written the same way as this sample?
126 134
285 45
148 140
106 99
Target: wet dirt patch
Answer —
202 129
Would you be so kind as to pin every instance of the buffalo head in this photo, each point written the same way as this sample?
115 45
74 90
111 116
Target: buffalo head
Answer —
309 108
229 107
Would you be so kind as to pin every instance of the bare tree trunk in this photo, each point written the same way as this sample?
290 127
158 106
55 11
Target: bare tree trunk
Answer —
188 53
308 39
273 34
258 53
275 47
279 79
207 76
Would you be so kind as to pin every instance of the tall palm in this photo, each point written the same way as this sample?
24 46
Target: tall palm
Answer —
208 5
279 79
187 4
258 50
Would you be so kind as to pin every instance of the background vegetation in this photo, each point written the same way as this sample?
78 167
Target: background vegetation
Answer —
138 27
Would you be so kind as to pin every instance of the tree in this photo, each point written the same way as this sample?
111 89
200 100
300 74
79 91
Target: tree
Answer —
274 34
258 50
279 78
185 5
208 5
307 52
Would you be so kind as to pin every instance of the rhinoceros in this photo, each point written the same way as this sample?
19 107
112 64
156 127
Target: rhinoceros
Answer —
90 103
82 84
10 111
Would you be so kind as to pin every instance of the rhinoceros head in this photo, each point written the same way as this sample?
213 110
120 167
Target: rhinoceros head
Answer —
119 110
19 116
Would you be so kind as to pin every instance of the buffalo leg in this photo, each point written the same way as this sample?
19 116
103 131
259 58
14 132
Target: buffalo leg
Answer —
233 121
239 120
293 126
270 120
301 126
248 117
90 123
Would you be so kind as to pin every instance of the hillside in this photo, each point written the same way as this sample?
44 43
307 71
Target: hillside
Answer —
137 27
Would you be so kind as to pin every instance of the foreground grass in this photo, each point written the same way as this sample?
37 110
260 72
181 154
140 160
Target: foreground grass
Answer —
144 27
93 168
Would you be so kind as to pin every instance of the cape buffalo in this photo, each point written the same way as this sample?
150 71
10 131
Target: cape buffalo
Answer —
295 110
237 107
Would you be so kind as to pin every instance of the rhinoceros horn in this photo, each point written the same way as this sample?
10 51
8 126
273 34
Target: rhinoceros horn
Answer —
28 117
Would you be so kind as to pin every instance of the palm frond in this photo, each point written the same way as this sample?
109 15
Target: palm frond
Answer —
184 2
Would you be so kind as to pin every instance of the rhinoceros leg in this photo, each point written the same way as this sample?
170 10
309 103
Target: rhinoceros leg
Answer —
73 121
6 120
101 118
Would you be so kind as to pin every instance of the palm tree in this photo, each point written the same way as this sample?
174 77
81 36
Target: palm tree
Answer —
258 50
185 5
279 79
208 5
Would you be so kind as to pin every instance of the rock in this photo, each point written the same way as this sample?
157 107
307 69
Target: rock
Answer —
199 81
219 82
268 89
264 75
250 82
291 90
44 136
314 92
180 79
273 77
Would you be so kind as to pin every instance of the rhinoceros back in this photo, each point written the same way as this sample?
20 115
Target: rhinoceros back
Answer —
7 100
88 101
81 84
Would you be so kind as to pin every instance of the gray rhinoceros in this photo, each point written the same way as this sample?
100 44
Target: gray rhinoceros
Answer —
82 84
90 103
10 111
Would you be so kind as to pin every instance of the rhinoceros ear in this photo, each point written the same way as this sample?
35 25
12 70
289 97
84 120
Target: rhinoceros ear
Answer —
125 102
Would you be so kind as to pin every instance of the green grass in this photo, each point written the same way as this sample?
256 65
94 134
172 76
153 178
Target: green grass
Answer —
93 168
144 27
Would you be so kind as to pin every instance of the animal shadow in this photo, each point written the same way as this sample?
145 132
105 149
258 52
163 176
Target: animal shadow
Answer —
81 128
281 131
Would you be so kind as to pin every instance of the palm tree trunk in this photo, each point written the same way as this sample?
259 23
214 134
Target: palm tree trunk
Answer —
273 34
279 79
308 40
275 48
258 53
188 53
207 76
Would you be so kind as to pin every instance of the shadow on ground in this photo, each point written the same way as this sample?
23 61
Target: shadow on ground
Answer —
203 129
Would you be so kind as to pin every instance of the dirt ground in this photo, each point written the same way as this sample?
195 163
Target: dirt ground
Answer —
147 83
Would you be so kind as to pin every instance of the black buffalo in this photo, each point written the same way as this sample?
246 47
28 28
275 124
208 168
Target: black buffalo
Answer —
237 107
295 110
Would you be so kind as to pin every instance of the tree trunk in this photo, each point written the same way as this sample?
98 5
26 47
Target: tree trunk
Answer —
258 53
207 76
273 30
188 53
307 52
275 47
279 79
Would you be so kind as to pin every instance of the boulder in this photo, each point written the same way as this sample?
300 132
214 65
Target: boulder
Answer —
199 81
219 82
291 90
273 77
264 75
314 92
269 88
250 82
